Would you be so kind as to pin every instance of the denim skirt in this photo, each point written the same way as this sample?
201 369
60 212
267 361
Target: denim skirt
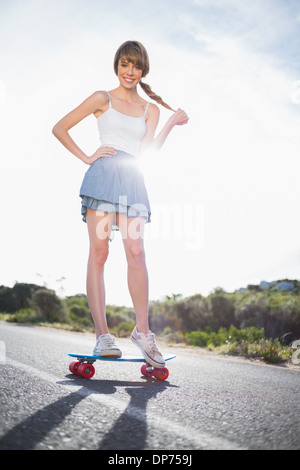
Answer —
115 184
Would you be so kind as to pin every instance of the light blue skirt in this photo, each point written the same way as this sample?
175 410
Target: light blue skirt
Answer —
115 184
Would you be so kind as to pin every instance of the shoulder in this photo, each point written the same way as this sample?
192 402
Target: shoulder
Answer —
153 111
152 118
100 97
100 102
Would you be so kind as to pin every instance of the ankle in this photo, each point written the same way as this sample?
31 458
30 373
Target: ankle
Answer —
145 330
101 332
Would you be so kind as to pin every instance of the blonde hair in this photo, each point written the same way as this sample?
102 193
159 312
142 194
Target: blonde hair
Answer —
135 52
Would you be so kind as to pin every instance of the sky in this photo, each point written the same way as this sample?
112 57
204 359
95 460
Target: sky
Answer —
224 189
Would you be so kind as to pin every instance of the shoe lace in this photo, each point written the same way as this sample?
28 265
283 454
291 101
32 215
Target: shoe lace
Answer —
151 343
108 341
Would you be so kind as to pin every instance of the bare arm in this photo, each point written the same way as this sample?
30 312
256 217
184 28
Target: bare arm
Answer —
91 105
179 118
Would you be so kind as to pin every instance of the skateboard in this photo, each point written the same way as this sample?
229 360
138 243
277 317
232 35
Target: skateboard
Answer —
84 365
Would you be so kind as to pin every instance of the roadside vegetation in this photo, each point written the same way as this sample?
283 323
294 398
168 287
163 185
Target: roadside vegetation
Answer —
260 321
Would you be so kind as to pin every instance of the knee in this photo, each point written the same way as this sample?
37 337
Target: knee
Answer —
136 255
99 256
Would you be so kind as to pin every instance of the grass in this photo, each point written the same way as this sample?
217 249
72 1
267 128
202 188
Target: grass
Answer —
247 342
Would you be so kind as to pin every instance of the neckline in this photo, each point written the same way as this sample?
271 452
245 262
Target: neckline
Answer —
123 114
126 115
134 117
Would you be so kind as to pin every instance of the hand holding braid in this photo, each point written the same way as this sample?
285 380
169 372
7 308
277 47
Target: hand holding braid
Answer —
178 118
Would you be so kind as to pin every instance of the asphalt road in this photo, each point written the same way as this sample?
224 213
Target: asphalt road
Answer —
206 403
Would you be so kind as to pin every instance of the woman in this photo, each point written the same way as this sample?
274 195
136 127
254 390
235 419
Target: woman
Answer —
113 191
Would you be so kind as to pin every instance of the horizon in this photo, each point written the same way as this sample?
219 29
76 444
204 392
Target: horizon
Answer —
263 285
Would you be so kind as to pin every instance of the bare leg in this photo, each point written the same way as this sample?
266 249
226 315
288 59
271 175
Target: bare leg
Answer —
132 231
99 228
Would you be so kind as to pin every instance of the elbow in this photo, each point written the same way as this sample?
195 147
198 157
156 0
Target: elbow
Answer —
59 131
55 130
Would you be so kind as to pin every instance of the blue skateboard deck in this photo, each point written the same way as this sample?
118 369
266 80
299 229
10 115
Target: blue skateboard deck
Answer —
118 359
84 365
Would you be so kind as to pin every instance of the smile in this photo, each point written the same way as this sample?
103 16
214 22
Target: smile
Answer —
128 80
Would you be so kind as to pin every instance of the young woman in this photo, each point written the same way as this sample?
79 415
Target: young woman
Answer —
113 191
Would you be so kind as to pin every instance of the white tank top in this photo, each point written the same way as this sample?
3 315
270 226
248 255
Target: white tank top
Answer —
120 131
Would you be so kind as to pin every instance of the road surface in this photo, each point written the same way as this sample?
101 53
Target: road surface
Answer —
206 403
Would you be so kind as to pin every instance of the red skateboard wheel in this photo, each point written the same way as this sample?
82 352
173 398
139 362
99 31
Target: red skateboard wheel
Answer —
86 370
73 367
145 371
161 374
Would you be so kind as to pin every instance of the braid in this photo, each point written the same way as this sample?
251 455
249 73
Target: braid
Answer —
154 96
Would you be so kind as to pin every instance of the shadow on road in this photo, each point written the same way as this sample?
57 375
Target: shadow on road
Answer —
129 431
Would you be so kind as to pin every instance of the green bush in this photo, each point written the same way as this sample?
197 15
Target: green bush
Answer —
123 329
198 338
25 315
79 312
210 338
49 307
250 334
247 342
271 351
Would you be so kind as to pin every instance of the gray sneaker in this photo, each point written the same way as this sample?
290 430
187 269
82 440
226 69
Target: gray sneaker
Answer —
106 347
149 349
